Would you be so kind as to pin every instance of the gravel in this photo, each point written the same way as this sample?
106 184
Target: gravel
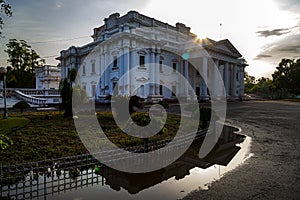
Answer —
273 172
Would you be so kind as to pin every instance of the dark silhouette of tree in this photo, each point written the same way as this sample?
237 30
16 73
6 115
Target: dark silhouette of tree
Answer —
286 78
66 96
66 92
263 87
249 82
23 60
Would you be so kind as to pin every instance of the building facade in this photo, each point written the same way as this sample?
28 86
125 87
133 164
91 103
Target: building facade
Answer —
47 77
138 55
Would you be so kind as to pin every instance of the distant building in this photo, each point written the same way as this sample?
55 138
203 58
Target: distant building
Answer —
145 46
47 77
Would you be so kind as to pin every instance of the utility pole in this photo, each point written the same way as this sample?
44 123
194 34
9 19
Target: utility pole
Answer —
3 71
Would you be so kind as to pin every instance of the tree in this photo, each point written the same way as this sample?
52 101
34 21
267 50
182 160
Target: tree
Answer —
66 92
23 60
263 87
249 82
66 96
5 9
286 78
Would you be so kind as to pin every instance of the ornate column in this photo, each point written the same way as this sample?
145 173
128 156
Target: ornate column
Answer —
186 75
152 73
157 74
126 69
107 70
226 78
132 65
121 70
102 73
242 82
216 78
181 81
204 79
234 70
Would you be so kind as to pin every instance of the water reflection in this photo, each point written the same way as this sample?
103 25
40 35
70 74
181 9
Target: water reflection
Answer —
79 175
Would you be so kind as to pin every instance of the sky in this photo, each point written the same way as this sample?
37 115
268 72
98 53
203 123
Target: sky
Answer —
264 31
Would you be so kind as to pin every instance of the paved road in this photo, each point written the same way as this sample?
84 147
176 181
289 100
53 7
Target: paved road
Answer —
274 170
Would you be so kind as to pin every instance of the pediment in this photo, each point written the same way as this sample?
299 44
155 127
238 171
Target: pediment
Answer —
227 46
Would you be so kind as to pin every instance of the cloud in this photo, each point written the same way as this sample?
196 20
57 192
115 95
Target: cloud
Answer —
49 20
289 5
288 47
260 56
274 32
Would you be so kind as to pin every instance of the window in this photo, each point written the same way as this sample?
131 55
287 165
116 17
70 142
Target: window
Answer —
174 67
142 61
173 90
142 92
197 73
160 89
198 91
115 89
93 68
237 76
160 66
115 65
83 70
93 90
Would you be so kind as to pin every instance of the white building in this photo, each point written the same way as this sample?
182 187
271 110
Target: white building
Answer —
47 77
158 58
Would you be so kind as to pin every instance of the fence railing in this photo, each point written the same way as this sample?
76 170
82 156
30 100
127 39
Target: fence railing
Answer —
50 176
37 179
30 99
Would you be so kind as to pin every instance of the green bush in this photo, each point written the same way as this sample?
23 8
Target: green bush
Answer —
5 142
22 105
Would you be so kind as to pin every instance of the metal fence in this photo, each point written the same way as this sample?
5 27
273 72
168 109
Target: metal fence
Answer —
39 179
34 180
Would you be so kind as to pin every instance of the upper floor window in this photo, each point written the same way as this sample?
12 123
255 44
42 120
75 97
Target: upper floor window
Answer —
237 76
83 70
142 61
161 66
174 67
93 90
93 68
115 64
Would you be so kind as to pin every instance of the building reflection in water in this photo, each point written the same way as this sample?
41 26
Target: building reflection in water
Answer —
53 177
223 152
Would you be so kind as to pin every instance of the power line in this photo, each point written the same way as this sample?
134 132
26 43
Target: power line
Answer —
61 40
52 56
49 56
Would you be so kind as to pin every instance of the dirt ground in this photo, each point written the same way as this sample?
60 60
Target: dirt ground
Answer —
274 170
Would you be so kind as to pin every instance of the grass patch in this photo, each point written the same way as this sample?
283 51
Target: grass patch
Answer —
291 100
7 124
50 135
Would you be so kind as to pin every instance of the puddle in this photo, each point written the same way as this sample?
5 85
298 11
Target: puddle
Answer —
175 181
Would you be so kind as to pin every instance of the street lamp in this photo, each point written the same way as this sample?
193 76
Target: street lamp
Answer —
3 71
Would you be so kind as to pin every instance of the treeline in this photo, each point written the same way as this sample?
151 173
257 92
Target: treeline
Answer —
23 61
285 82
